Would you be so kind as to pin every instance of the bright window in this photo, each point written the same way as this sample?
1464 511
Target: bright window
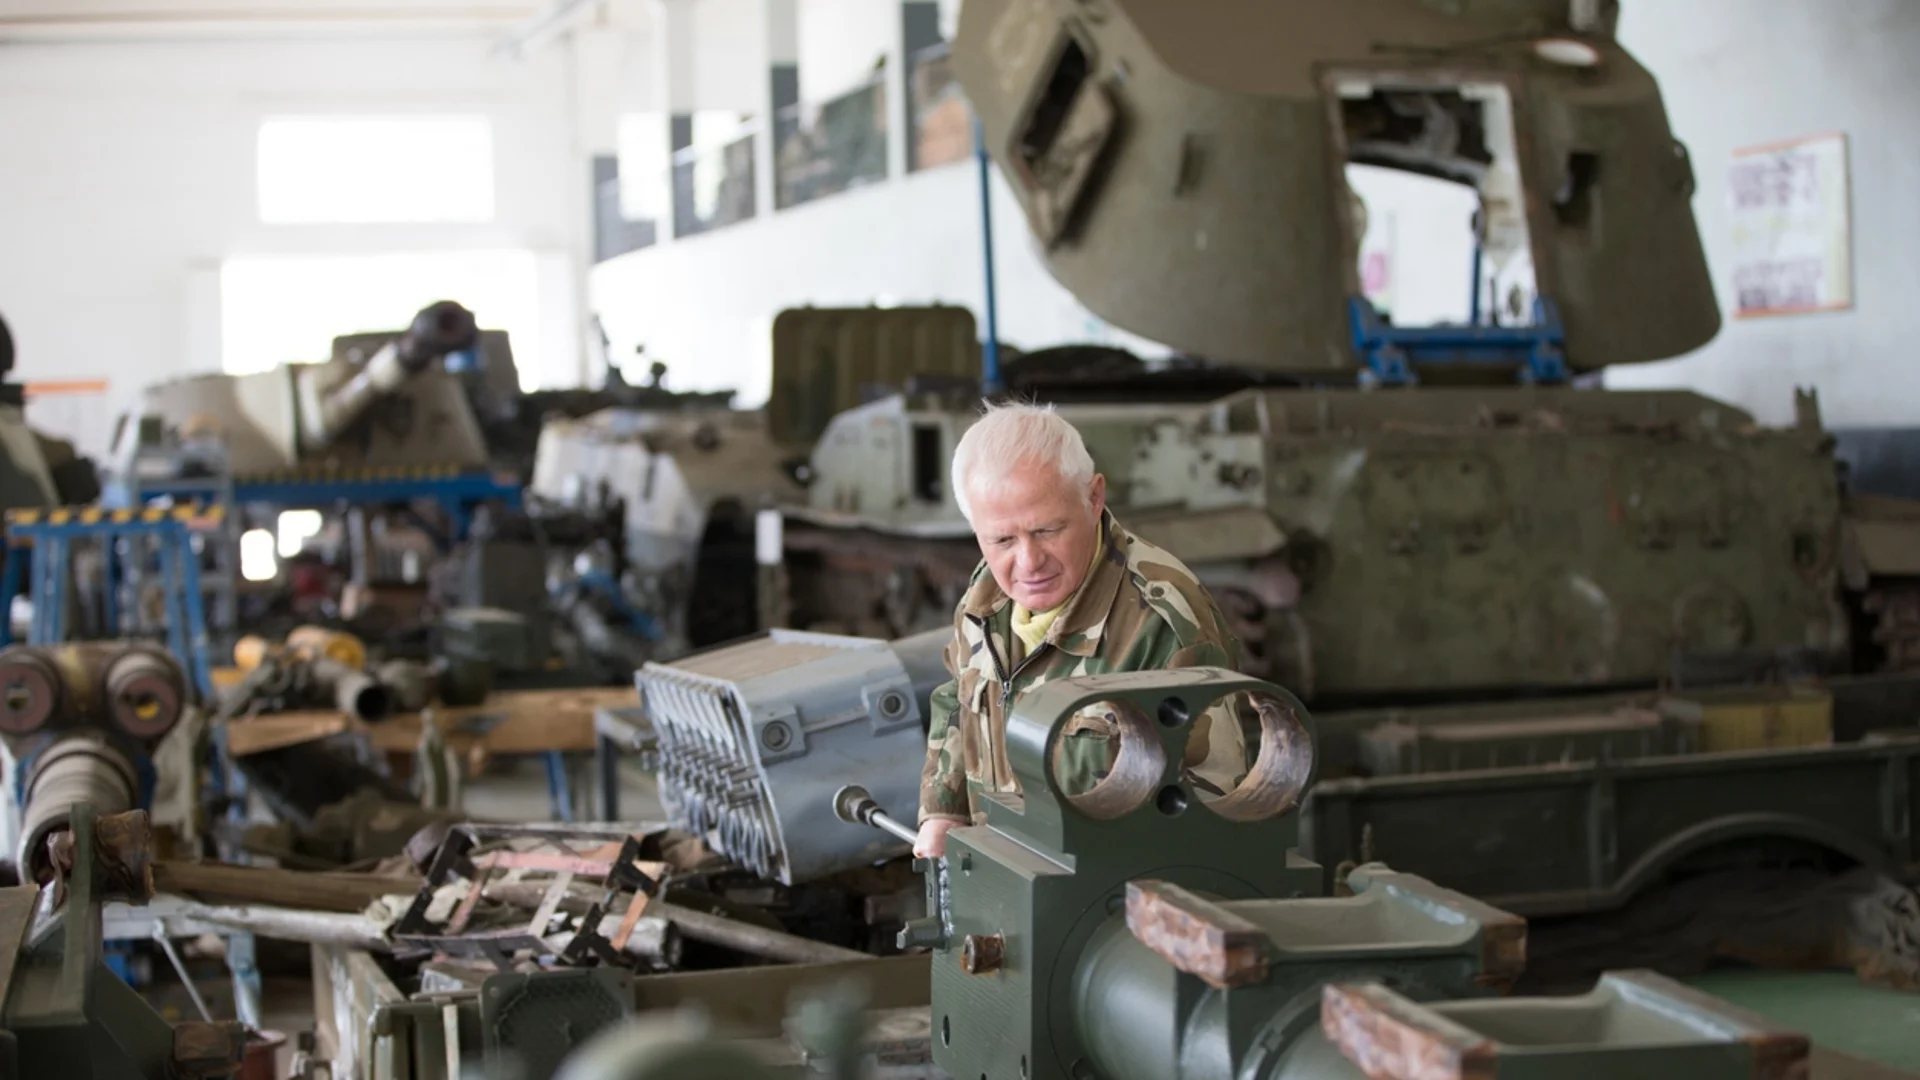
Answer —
281 309
375 169
256 556
294 527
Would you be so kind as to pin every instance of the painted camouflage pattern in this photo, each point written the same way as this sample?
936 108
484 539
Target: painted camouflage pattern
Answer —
1140 609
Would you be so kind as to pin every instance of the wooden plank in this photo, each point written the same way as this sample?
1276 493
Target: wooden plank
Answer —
511 722
523 722
258 734
286 888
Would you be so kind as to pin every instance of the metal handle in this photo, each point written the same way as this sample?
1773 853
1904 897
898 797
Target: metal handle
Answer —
855 806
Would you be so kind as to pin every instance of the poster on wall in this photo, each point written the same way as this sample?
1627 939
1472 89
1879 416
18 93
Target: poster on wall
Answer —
1792 227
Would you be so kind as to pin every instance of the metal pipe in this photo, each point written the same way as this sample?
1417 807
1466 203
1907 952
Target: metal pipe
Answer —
293 924
855 806
78 768
990 381
161 939
355 693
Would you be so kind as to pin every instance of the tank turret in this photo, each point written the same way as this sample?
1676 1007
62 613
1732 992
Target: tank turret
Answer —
1182 166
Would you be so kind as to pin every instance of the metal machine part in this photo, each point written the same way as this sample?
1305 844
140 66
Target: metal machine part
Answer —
1124 933
314 667
756 738
82 720
62 1011
82 767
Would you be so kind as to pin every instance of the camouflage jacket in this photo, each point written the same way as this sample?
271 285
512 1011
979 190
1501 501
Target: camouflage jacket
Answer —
1139 609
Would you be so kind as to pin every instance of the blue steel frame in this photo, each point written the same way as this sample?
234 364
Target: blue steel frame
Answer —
1393 355
50 535
456 492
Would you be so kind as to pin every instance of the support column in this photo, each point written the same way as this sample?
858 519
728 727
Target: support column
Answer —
781 20
673 42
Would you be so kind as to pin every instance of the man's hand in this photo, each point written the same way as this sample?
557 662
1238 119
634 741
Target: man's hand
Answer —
932 842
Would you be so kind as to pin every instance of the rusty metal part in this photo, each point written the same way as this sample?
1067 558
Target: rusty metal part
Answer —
146 692
1377 1031
1196 936
1896 606
132 687
78 768
982 954
202 1051
123 852
32 692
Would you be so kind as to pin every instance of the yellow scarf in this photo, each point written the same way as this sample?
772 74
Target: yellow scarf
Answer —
1031 627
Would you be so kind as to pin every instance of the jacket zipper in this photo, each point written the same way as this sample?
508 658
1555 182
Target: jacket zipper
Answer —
1000 668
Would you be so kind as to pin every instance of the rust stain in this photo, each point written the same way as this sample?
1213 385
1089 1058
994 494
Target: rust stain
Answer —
1197 937
202 1051
634 907
123 851
1391 1038
983 954
1780 1056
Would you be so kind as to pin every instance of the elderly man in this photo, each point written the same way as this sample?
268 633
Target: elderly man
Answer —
1062 591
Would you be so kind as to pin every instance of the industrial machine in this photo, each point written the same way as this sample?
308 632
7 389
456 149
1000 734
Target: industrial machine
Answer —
754 738
63 1012
82 722
1124 932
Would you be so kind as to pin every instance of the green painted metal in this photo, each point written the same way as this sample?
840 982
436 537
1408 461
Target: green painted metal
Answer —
1093 987
1181 163
67 1015
1589 837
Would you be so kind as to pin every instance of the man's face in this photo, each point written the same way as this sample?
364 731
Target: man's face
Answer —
1037 533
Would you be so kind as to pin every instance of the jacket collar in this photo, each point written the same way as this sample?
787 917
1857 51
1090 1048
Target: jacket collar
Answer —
1079 629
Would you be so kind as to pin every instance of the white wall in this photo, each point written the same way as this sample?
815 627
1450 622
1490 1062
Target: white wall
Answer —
705 305
130 175
839 42
1738 73
729 50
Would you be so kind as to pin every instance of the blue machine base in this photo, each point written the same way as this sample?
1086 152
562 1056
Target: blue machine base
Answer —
1394 356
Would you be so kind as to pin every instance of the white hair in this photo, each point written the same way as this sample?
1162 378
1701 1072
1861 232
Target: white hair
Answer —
1007 436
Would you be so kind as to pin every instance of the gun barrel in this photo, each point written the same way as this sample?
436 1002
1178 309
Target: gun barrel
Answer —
438 329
